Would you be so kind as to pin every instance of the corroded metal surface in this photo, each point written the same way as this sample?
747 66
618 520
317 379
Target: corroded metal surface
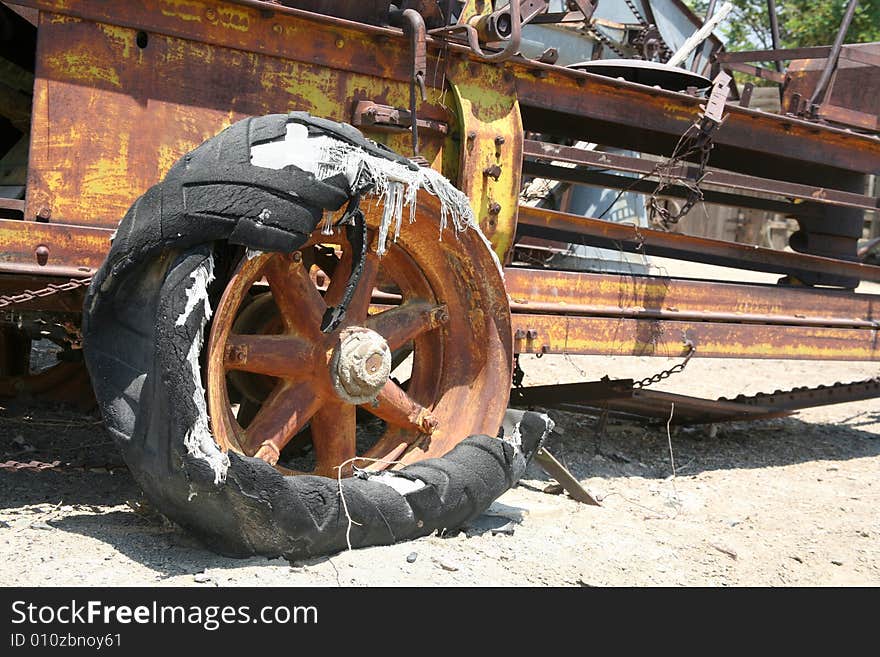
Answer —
159 101
611 293
654 337
560 225
491 147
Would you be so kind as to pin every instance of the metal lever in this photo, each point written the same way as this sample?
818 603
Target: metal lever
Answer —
414 27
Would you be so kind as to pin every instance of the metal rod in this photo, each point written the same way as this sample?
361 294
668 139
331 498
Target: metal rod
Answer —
774 30
831 64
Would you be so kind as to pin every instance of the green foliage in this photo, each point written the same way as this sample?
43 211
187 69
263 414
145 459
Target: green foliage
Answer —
801 23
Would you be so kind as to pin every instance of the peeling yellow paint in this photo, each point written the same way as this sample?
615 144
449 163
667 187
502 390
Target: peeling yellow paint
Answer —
84 67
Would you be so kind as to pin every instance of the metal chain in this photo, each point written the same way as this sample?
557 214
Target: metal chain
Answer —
30 295
604 40
665 374
636 13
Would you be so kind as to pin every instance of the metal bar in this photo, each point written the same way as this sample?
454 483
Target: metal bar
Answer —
758 72
621 336
774 31
12 204
712 176
72 251
831 64
575 393
645 186
565 479
540 222
592 310
745 56
528 286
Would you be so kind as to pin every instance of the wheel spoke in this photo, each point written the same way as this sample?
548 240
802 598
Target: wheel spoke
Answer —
283 356
283 414
401 324
334 433
399 409
299 303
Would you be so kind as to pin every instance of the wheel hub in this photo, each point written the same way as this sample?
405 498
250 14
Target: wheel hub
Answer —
360 366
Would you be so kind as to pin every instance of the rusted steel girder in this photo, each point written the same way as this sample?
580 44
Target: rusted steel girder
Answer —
540 222
618 113
558 334
711 176
613 293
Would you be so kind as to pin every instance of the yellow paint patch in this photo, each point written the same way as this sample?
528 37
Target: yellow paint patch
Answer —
84 67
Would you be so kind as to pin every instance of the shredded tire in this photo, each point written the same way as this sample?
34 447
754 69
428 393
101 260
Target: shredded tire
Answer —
145 315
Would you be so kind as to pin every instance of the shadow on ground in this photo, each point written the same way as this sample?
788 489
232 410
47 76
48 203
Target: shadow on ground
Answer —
91 496
627 448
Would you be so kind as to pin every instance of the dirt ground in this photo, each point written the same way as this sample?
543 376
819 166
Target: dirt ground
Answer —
789 501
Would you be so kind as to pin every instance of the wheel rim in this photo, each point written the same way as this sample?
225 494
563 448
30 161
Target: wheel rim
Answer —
447 302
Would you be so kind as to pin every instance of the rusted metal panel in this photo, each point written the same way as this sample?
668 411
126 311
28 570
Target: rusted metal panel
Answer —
254 27
649 337
614 111
491 147
548 223
110 117
614 292
72 251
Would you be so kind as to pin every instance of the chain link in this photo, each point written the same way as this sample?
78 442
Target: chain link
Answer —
49 290
665 374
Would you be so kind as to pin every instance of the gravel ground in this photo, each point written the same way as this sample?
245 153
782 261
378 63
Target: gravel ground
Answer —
789 501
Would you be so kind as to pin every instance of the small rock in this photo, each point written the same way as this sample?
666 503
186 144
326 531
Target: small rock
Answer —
411 557
39 524
201 578
836 562
554 489
4 524
296 569
796 558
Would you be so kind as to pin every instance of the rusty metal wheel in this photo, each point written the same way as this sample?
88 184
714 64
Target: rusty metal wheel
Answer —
271 371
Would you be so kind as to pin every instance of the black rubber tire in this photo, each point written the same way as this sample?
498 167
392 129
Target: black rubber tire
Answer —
142 323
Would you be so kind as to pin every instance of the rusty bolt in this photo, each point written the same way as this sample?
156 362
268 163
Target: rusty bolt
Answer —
519 335
340 43
494 207
277 28
427 422
439 316
471 135
531 334
42 253
493 171
44 214
210 14
499 140
297 256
